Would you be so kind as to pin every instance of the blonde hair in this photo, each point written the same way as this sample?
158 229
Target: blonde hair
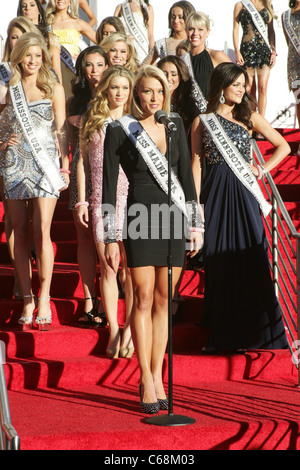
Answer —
149 71
45 79
109 41
198 18
23 24
269 8
51 9
98 110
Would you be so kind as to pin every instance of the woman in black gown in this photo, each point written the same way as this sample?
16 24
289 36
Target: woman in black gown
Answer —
145 234
240 306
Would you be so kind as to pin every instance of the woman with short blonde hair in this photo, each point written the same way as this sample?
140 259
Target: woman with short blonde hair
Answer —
149 71
139 144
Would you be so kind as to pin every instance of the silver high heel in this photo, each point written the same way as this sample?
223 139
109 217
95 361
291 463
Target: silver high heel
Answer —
26 323
44 322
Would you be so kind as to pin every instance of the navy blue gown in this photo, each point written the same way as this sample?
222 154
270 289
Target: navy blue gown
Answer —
240 306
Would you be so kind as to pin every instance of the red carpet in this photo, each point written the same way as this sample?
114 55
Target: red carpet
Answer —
64 394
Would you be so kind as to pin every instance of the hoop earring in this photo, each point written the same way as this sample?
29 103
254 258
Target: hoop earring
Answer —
222 98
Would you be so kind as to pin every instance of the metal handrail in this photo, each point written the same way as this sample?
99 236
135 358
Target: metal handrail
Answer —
290 313
9 439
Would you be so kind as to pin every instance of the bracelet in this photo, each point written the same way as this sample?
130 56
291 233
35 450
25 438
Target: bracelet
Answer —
83 203
274 53
196 229
63 170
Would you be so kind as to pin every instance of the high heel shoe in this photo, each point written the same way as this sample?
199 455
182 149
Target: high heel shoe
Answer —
112 352
43 322
26 323
163 403
126 352
88 317
148 408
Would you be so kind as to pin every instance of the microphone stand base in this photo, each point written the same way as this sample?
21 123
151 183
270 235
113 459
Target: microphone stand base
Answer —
170 420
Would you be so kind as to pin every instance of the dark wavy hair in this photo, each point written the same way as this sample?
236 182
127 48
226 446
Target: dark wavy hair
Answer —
80 87
182 102
187 9
42 14
222 77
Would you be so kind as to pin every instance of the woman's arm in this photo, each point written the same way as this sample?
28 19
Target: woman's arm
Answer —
88 11
82 172
59 109
271 34
85 29
282 148
111 161
151 27
196 146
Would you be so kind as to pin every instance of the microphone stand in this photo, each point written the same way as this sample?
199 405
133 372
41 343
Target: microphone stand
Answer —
170 419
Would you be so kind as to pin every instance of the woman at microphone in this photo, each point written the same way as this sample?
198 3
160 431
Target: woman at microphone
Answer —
138 143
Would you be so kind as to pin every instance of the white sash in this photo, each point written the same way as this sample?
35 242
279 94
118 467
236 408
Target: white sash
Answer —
234 159
5 72
286 18
197 94
161 47
52 179
154 159
140 40
258 21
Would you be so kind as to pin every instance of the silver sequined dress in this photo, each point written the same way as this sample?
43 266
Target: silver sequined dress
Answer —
21 173
293 63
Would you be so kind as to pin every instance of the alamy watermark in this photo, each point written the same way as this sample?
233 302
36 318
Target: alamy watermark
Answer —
154 222
2 353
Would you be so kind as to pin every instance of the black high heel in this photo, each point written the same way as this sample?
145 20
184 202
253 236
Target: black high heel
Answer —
163 403
87 317
148 408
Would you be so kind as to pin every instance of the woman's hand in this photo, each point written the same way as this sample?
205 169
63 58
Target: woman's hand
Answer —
196 243
12 140
83 215
254 170
239 59
66 177
112 255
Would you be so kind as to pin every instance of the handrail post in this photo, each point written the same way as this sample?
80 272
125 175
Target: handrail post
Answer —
275 245
298 306
9 438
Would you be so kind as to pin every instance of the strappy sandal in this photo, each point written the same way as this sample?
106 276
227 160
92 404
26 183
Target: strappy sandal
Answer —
43 322
26 323
99 324
88 317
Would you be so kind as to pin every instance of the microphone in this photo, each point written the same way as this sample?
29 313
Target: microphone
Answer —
162 117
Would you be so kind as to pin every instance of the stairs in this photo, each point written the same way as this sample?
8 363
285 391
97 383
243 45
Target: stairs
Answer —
65 394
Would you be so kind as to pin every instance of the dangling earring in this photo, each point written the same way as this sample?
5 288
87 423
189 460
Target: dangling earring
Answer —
83 82
222 98
69 9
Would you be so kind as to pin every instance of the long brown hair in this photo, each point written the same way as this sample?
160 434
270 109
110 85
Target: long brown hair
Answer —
221 78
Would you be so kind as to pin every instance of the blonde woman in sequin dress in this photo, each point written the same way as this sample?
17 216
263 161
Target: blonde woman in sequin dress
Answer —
293 62
111 102
32 176
62 17
253 53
